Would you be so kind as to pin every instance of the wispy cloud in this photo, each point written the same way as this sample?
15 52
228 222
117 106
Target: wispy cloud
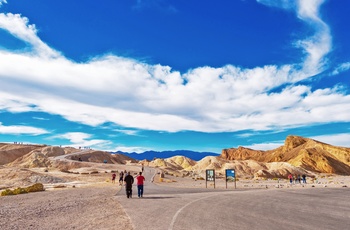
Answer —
162 5
319 44
18 26
41 118
21 129
127 131
130 149
265 146
341 139
2 2
79 139
341 68
134 94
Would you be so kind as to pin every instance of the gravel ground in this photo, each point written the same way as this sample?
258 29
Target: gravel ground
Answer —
75 208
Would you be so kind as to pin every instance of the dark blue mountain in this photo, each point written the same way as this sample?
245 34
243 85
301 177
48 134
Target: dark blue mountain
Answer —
150 155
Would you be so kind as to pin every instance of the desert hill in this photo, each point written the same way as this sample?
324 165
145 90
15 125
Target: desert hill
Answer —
298 155
23 165
244 168
301 152
10 152
53 157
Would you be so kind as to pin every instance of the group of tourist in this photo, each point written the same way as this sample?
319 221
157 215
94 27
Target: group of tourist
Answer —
129 181
297 179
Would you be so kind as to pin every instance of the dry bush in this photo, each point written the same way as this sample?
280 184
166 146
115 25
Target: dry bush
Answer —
19 190
60 186
7 192
34 188
38 187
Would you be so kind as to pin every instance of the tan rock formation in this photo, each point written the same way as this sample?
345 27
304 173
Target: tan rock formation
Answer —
301 152
10 152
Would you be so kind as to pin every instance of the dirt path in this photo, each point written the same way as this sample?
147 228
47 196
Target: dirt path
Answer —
76 208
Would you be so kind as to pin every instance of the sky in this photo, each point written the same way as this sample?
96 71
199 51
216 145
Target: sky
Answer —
138 75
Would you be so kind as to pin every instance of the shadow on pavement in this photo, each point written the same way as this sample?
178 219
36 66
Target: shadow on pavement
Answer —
158 197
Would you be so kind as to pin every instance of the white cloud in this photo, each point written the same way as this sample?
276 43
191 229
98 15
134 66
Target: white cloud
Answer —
21 129
127 132
341 68
133 94
341 139
18 26
265 146
2 2
41 119
315 47
79 139
130 149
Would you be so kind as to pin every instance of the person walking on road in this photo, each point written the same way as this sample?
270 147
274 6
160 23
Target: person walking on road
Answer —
304 178
113 177
129 180
139 181
290 177
121 178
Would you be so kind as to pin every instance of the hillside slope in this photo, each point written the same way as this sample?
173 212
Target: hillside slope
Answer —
301 152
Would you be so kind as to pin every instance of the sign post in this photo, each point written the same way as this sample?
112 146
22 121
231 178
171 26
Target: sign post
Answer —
230 176
209 176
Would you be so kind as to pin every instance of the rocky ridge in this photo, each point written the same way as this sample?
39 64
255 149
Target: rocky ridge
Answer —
300 152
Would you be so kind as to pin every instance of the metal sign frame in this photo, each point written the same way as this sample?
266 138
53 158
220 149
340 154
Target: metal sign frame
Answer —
209 176
230 173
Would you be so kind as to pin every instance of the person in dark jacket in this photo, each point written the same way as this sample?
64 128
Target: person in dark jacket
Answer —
129 180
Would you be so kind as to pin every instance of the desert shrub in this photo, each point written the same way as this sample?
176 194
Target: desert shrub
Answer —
94 172
34 188
7 192
19 191
200 178
275 178
38 187
60 186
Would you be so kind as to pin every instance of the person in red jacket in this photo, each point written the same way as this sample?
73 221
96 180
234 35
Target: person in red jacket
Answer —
290 177
139 181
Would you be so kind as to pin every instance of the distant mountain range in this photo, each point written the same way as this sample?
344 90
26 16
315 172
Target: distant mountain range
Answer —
150 155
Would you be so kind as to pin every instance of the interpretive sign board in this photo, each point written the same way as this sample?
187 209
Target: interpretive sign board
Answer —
209 176
230 176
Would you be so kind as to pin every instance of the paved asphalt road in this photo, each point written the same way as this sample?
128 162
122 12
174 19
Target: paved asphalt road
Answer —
272 209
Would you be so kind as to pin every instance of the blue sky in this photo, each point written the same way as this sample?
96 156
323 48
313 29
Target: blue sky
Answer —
137 75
